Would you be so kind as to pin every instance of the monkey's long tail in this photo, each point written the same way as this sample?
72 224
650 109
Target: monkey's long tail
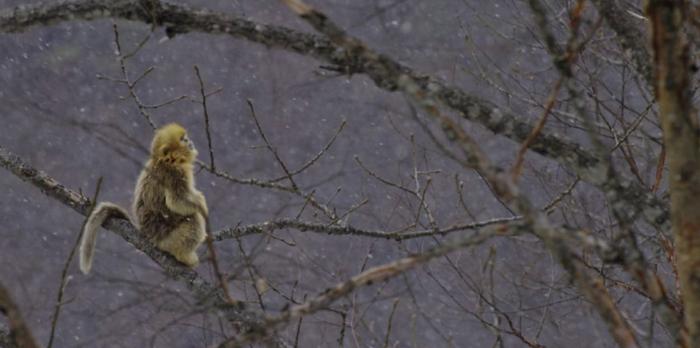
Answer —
102 212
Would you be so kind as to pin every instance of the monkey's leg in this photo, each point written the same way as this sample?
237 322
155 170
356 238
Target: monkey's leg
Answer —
183 241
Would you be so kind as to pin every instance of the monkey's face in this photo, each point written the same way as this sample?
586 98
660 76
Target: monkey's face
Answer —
185 141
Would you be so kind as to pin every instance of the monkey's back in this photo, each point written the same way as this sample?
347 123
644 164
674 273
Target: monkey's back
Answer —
155 220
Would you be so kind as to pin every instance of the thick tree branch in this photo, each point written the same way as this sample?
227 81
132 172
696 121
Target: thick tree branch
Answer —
674 91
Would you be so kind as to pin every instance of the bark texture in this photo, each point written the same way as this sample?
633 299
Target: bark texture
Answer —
680 129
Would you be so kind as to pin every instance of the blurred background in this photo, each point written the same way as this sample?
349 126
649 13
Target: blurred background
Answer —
61 111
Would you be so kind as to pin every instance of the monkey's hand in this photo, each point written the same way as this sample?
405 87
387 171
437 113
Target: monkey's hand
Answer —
180 195
184 203
201 202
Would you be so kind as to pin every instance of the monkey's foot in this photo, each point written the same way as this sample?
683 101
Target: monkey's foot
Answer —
191 259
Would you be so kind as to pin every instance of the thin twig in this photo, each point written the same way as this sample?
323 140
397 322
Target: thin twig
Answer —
214 260
548 208
659 169
306 203
318 155
125 76
296 337
323 208
165 103
251 274
382 180
206 116
349 211
295 188
64 273
269 146
520 158
388 326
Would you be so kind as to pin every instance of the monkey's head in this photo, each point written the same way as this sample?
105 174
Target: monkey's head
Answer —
172 145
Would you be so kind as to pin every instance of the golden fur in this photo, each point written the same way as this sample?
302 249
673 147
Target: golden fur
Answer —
169 210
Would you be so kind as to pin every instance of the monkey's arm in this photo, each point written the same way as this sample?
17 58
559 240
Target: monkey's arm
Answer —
181 197
185 202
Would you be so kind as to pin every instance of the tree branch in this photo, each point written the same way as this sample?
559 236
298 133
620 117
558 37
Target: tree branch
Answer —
674 93
303 226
